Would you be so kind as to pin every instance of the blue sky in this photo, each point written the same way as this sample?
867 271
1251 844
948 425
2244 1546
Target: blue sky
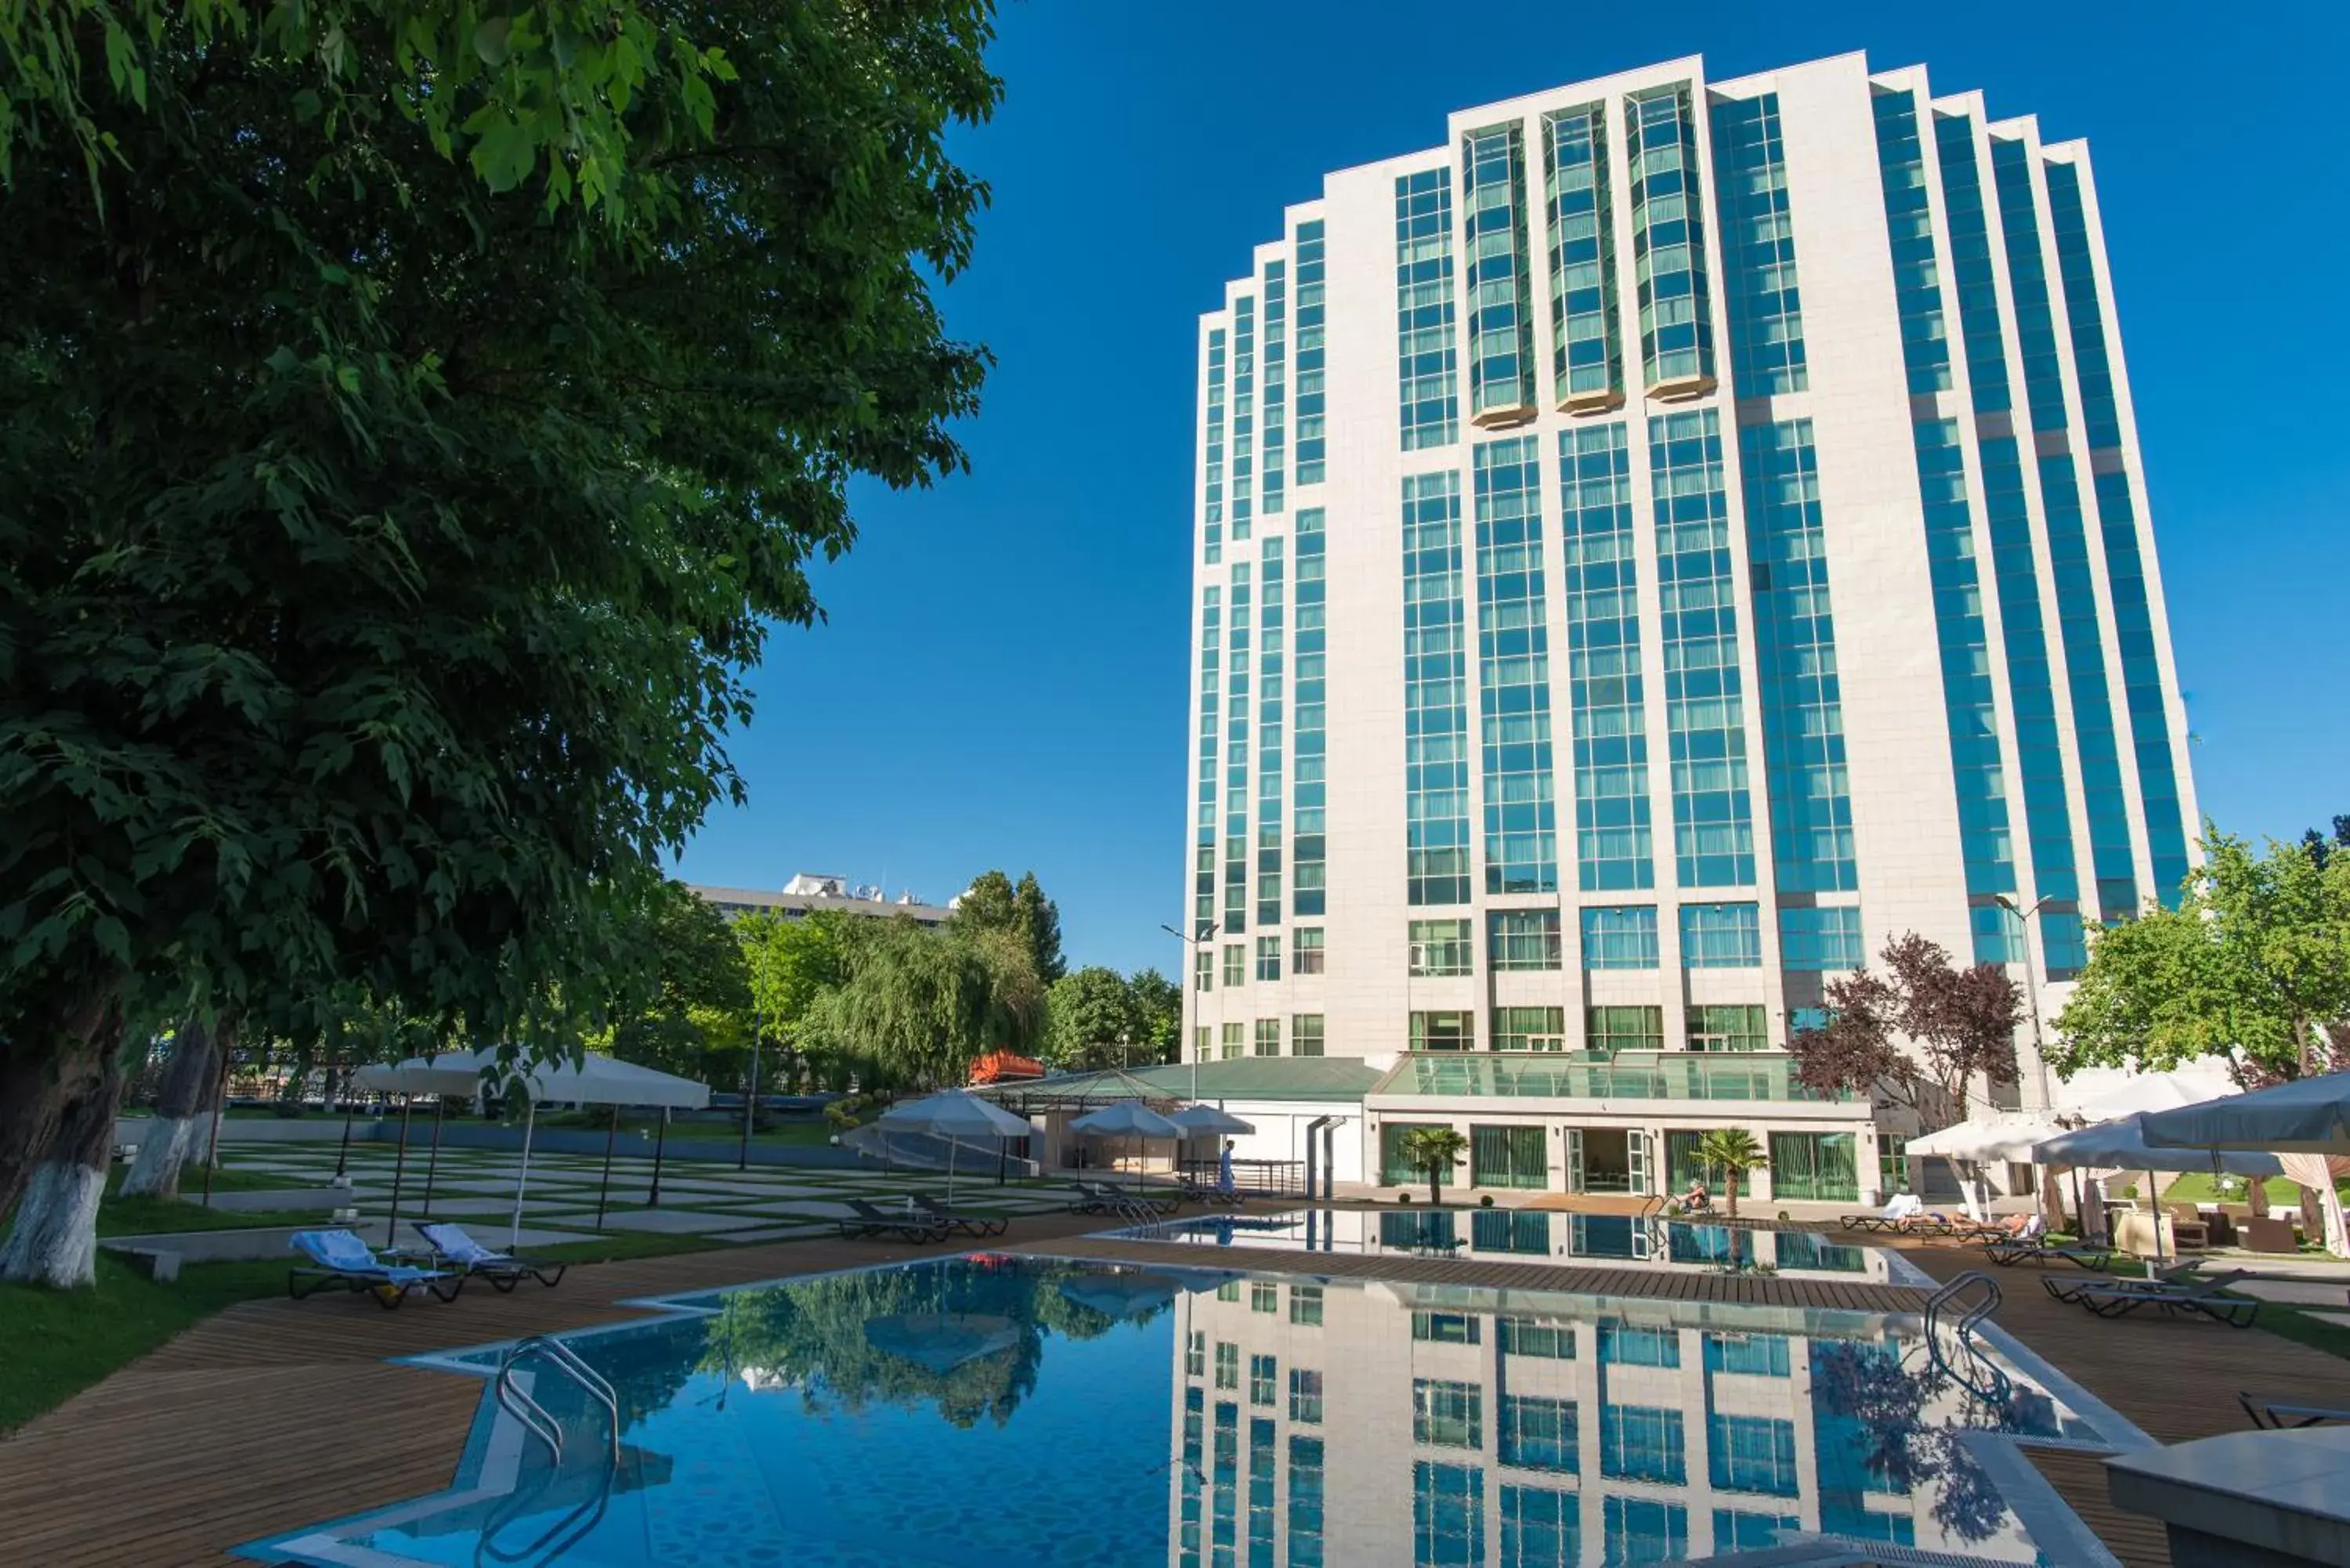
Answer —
1003 680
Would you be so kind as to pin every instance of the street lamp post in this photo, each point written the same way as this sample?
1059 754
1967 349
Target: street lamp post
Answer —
1207 932
750 1100
2032 981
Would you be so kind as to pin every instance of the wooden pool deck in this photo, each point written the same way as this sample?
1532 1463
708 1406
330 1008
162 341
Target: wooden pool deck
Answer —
275 1414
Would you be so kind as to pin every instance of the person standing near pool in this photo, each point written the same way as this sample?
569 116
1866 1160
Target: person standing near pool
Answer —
1224 1182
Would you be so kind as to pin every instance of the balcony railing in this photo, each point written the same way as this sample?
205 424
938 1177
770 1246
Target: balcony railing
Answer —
1628 1076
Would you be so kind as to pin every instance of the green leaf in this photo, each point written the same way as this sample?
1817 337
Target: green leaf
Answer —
490 36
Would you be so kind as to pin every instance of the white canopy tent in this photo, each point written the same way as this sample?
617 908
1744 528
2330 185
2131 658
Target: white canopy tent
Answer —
2135 1092
2120 1145
2306 1121
954 1115
594 1080
2004 1136
1210 1119
1127 1118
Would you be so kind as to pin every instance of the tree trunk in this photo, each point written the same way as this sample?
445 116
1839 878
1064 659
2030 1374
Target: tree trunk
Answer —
42 1071
1435 1188
187 1082
201 1151
1729 1192
55 1241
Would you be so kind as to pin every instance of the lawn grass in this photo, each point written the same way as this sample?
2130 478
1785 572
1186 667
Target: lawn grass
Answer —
225 1178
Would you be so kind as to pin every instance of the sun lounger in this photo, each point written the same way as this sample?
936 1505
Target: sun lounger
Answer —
451 1244
2202 1297
1903 1207
968 1223
905 1225
2281 1415
2182 1273
339 1259
2041 1250
1108 1198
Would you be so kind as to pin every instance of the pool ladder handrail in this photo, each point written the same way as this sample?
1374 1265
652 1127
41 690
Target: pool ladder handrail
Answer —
1987 1299
518 1403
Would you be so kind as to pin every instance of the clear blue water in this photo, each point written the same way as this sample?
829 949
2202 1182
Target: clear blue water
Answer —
1597 1241
995 1411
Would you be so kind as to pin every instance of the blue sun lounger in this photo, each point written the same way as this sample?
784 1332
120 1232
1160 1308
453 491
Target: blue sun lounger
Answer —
338 1258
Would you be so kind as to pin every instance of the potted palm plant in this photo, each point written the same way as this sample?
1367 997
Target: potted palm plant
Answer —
1434 1150
1733 1152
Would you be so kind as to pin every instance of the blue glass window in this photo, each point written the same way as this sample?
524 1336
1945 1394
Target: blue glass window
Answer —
1273 485
1237 724
1537 1433
1586 365
1641 1530
1976 769
1964 214
1758 242
2027 280
1211 486
1427 358
1909 223
1668 240
1642 1442
1436 693
2069 217
2157 779
1613 846
1747 1355
1308 869
1448 1515
1713 816
1802 705
1750 1453
1307 1503
1541 1528
1243 457
2084 673
1721 936
1203 869
1272 651
1513 671
1522 940
1736 1530
1619 937
1820 938
1622 1343
1261 1482
1501 281
1313 444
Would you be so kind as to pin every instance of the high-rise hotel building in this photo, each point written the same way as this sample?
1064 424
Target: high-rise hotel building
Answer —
1653 547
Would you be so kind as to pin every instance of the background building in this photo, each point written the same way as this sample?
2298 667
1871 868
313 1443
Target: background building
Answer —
1651 549
809 891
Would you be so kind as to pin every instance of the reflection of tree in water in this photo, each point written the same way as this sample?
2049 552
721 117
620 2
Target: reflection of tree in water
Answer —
811 1335
1868 1384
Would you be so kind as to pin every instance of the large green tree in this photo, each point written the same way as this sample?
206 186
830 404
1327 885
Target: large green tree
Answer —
994 903
2253 966
412 420
686 1004
791 963
1158 1014
915 1005
1091 1019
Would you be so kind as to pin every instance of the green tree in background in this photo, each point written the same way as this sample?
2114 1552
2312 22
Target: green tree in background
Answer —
915 1007
411 421
790 964
1159 1014
2253 966
1040 919
1090 1020
686 1006
993 903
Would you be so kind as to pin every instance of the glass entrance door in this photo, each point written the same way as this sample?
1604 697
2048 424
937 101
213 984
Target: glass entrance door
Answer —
1605 1159
1508 1157
1819 1167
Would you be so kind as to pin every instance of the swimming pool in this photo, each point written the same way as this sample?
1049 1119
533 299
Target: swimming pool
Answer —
996 1409
1599 1240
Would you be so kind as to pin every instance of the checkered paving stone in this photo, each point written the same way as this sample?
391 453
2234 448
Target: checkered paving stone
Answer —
659 1221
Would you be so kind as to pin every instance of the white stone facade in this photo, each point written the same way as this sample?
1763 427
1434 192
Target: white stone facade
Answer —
2104 762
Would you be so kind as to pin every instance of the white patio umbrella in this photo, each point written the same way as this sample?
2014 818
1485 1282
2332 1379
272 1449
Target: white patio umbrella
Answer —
2004 1136
2305 1120
2127 1094
1210 1119
450 1073
954 1115
593 1080
1127 1118
2121 1145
